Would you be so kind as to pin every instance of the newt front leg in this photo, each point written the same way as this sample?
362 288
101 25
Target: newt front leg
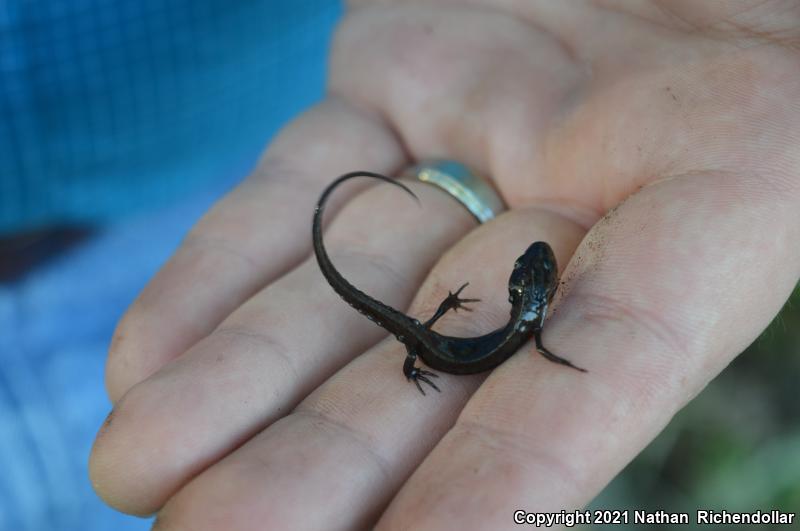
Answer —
416 374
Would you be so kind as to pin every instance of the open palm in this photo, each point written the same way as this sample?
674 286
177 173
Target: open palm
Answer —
654 145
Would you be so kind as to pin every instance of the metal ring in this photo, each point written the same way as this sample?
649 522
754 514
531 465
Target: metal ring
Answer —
467 187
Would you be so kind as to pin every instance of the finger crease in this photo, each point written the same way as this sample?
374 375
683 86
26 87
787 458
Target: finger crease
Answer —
219 246
525 451
363 441
265 342
602 309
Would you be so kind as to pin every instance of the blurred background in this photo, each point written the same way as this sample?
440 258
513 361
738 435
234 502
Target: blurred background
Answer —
736 447
121 122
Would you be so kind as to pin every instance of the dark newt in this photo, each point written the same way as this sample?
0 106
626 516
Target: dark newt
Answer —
531 287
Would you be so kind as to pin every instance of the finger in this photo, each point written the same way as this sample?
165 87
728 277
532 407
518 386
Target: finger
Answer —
660 296
237 247
346 449
272 351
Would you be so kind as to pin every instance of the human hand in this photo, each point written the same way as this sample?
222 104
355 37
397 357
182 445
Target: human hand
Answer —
249 396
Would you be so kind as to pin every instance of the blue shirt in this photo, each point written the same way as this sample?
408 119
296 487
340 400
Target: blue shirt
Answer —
109 106
126 115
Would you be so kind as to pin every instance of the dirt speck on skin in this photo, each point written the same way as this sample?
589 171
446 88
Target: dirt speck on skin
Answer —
106 423
596 243
669 91
117 340
611 215
592 250
565 282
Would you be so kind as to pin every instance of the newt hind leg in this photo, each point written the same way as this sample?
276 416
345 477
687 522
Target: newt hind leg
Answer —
451 302
412 372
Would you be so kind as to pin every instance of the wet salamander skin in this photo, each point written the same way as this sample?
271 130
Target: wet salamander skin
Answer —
531 287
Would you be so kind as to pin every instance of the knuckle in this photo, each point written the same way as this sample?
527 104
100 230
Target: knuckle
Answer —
266 342
228 249
323 414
